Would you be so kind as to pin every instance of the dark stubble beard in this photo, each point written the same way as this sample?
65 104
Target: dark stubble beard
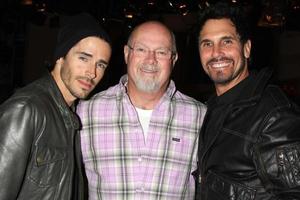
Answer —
66 77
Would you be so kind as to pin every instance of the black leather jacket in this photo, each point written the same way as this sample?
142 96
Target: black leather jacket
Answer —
39 153
252 148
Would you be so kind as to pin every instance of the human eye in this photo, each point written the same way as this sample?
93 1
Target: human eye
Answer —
141 50
161 52
227 41
206 44
101 65
83 58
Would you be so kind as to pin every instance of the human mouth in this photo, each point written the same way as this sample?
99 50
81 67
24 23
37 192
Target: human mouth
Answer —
219 65
86 84
222 63
149 69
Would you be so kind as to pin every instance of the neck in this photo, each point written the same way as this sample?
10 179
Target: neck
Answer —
68 97
221 88
144 100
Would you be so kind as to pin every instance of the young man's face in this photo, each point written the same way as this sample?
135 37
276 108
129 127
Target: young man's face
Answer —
223 56
83 67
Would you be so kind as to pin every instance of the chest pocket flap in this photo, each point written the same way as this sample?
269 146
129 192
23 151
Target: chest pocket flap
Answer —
48 165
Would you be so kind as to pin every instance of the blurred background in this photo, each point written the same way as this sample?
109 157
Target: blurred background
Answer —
28 31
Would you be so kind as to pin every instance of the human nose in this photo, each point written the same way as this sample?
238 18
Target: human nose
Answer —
217 51
91 71
151 55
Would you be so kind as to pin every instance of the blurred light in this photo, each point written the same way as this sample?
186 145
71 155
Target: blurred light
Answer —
170 3
103 20
182 6
295 4
26 2
151 2
202 4
130 11
183 9
268 18
179 7
296 7
272 20
273 13
129 16
40 7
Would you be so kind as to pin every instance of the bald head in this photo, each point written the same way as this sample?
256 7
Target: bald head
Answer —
157 29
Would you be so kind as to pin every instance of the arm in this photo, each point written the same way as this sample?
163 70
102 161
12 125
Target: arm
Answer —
277 156
15 144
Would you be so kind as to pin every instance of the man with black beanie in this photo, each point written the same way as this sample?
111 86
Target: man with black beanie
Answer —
40 156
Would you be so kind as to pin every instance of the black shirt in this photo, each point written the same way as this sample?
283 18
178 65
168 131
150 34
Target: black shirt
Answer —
216 106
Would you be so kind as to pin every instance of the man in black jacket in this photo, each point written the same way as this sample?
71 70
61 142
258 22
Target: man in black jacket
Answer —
249 145
40 155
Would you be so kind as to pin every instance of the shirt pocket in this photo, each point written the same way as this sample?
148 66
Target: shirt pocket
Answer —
47 166
179 160
181 146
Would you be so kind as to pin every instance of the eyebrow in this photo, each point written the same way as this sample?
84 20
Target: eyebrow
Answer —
84 53
141 44
204 40
90 55
222 38
228 37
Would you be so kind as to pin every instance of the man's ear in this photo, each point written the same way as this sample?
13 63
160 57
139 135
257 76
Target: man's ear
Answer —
126 52
174 58
58 63
247 49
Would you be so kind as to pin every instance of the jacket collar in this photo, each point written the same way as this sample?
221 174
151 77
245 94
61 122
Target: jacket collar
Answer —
249 90
248 94
257 85
50 85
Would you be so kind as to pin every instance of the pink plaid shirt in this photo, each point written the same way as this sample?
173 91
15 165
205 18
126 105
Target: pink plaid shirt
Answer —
120 164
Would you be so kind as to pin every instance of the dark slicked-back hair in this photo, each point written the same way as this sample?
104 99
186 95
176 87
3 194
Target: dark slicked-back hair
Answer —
235 12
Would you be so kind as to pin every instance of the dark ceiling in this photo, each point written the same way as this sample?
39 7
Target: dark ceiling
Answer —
271 12
120 16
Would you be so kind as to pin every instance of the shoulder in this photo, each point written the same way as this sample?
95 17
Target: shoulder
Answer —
280 111
31 98
103 98
275 98
22 112
180 98
23 102
186 105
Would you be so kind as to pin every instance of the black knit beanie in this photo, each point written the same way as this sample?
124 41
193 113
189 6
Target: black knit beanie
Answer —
76 28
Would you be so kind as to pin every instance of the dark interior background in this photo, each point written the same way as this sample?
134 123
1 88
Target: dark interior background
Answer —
28 31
